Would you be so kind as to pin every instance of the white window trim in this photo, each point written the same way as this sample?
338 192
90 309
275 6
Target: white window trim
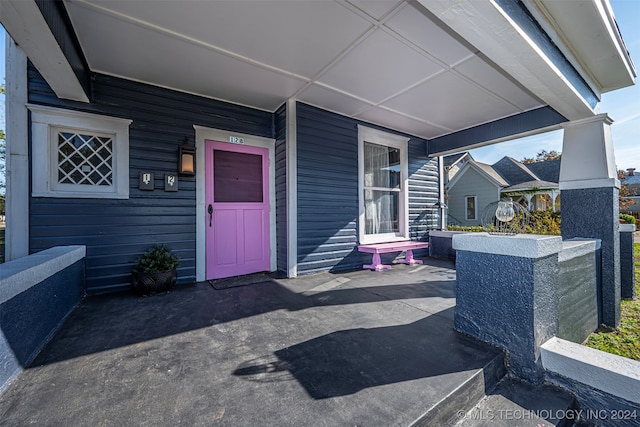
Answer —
475 208
376 136
44 121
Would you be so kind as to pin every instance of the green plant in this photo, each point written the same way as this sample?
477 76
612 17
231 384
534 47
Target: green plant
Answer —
628 219
544 222
625 339
472 228
156 259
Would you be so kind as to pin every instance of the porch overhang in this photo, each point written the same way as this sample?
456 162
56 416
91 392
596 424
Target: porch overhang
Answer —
457 73
565 61
589 28
27 26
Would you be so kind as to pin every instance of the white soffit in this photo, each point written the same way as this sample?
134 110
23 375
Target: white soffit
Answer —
372 60
589 29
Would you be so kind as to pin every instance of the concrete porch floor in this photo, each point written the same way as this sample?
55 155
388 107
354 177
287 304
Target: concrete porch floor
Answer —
350 349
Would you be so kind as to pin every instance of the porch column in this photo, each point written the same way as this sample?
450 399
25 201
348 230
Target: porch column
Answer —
589 190
17 152
528 196
554 198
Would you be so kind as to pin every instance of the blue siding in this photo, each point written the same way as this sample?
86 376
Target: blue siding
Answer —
423 191
535 119
328 190
280 121
116 232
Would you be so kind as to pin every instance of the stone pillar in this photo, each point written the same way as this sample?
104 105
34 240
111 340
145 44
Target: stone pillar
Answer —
507 294
627 267
589 190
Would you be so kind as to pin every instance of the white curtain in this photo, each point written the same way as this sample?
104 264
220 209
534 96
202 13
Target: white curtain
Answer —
379 205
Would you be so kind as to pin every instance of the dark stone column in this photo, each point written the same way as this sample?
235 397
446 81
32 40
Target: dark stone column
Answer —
597 218
589 191
507 294
627 265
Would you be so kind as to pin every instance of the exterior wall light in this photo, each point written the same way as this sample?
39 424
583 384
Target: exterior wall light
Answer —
187 160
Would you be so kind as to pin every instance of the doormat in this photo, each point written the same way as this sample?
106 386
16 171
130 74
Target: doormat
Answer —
235 281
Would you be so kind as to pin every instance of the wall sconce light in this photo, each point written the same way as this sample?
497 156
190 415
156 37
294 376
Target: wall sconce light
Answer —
187 159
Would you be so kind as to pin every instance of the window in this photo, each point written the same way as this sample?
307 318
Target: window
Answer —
383 180
79 154
84 159
471 207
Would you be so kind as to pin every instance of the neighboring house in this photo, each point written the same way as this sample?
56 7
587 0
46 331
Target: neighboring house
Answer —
472 185
632 181
317 126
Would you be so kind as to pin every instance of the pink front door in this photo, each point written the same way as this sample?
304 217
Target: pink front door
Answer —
237 201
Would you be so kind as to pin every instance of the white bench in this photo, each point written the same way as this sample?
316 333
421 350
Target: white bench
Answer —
380 248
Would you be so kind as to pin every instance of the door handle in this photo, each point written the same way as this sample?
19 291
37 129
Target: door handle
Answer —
210 210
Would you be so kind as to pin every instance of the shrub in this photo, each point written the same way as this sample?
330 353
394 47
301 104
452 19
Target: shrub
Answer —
156 259
628 219
541 222
544 222
471 228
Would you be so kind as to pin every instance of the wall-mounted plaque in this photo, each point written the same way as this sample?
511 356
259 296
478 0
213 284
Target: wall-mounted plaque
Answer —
170 182
146 181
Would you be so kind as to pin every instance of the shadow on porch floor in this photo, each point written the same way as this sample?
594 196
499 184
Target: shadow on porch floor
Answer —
358 348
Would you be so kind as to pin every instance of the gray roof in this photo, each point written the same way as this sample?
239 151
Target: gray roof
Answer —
548 170
513 171
513 175
524 186
492 173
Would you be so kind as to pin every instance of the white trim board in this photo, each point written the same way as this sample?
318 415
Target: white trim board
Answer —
202 134
292 188
17 151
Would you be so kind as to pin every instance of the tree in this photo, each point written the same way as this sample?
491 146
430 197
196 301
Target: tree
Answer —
625 193
543 156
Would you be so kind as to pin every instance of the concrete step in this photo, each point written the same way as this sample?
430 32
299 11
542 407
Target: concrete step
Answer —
515 403
446 412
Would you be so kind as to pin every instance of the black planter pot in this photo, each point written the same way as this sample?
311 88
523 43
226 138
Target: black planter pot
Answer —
153 283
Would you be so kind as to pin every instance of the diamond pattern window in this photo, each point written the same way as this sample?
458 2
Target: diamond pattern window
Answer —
79 155
85 159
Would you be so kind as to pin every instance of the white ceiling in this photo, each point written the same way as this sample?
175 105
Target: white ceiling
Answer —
381 61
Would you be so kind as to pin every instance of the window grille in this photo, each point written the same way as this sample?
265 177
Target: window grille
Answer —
85 159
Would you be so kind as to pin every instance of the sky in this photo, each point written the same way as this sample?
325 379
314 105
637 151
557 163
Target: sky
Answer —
622 105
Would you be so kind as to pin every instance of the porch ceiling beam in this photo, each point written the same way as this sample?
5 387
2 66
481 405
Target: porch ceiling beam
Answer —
511 47
25 24
540 120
